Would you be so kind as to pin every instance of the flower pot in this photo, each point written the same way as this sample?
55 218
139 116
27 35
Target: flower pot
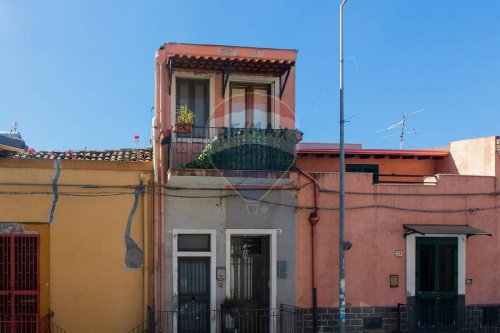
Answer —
183 128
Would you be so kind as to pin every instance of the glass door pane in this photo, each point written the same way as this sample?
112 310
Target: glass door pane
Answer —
238 108
194 295
260 108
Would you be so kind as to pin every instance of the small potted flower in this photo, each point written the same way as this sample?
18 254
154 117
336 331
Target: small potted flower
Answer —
299 135
184 119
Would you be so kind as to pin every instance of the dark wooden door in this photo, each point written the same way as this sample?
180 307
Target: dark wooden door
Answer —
19 283
436 283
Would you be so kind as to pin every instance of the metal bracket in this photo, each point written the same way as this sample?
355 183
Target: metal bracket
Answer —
225 79
170 70
283 85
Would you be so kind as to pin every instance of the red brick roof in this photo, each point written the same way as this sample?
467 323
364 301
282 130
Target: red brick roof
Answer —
121 155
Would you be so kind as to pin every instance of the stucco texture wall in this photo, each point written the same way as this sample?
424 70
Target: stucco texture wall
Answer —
227 209
375 216
84 280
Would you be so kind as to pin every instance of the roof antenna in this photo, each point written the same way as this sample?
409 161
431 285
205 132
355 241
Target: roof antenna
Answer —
13 129
403 124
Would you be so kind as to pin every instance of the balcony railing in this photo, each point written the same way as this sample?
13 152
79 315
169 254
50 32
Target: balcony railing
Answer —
285 319
234 149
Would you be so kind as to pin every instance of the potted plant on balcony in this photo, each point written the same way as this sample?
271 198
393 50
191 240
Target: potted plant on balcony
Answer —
184 119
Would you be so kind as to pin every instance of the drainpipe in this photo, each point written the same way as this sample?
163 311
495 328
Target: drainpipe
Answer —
145 179
152 255
313 220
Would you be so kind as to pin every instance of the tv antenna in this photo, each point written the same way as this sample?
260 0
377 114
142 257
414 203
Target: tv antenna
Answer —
15 126
402 124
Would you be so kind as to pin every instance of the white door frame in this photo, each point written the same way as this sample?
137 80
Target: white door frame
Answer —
211 254
272 262
411 257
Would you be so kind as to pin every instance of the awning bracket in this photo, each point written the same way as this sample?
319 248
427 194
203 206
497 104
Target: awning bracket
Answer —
283 85
225 79
437 229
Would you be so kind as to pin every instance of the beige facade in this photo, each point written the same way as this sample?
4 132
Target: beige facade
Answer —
93 221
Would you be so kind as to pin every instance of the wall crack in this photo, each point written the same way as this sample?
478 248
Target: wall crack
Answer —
134 255
55 194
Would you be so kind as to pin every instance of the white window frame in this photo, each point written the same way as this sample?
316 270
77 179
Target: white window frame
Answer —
240 78
210 254
411 261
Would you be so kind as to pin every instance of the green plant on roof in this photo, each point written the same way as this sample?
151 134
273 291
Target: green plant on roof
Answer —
184 115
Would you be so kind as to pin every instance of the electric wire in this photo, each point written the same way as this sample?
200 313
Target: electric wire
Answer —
262 201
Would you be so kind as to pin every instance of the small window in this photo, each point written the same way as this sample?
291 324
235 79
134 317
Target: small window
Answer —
194 94
364 168
193 242
250 105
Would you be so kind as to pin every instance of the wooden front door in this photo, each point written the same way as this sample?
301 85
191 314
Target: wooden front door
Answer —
436 282
19 283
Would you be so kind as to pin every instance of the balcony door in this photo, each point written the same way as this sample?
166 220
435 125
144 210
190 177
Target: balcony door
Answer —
436 283
194 94
250 106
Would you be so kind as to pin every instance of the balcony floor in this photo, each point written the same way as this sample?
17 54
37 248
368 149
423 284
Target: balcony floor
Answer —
228 179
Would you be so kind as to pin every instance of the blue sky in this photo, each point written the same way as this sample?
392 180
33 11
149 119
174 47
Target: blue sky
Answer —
79 74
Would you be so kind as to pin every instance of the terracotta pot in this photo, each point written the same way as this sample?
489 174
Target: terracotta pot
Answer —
183 128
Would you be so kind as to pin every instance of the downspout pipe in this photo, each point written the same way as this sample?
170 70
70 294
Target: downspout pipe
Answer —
313 220
145 179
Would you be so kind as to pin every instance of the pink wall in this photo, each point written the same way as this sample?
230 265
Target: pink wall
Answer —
286 103
376 233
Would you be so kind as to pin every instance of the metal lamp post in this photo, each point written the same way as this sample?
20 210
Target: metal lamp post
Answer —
341 183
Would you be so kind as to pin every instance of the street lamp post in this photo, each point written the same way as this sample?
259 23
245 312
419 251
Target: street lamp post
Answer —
342 179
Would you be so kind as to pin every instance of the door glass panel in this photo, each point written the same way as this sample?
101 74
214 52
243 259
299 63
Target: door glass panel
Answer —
260 108
427 267
183 94
200 104
250 270
194 294
238 108
193 242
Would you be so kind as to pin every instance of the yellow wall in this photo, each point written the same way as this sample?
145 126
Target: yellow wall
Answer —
84 280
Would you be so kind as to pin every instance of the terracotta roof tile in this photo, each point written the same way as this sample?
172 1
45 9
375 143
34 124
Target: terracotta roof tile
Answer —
122 155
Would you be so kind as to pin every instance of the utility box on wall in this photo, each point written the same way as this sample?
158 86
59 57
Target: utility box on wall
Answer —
282 269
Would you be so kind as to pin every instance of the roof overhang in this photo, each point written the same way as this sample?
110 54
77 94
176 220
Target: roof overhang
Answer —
229 59
274 67
322 150
443 229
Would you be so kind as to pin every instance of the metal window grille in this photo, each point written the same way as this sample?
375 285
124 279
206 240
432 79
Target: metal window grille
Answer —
19 283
